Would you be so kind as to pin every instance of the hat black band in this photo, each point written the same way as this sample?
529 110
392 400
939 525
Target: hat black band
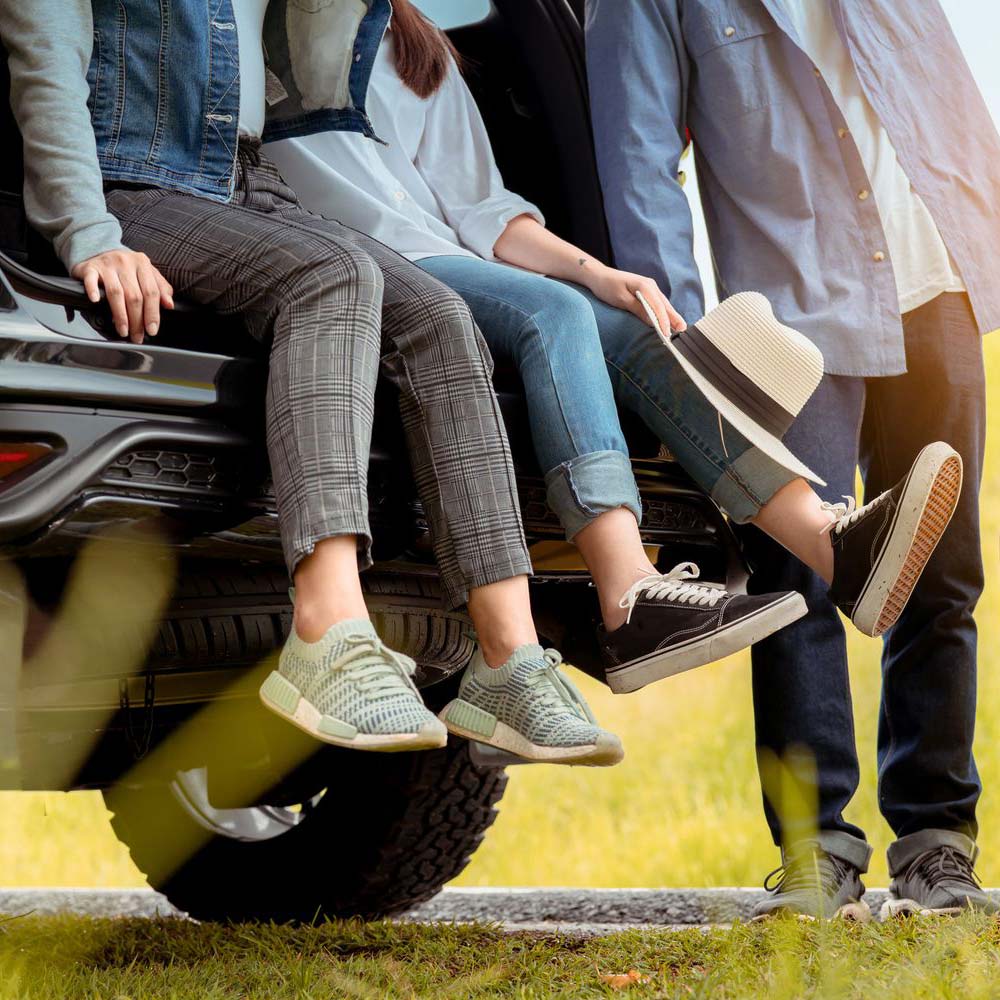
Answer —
714 366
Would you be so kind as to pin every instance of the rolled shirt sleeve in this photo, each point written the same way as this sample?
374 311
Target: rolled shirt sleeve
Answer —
49 47
456 160
638 72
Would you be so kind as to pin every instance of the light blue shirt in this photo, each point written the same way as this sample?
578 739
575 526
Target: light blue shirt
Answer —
779 170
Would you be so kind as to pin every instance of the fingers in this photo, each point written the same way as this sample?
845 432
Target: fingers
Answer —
134 303
677 323
135 289
166 290
151 297
91 278
655 301
668 318
116 299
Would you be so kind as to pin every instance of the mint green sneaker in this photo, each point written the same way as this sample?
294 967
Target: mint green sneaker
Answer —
351 690
529 708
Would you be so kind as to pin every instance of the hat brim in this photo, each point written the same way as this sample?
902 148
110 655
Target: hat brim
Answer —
760 438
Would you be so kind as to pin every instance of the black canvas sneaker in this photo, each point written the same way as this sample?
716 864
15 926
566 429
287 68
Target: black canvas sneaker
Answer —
675 624
880 550
939 880
812 883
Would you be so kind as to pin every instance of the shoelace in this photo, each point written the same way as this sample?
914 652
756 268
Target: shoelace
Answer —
673 586
845 514
556 691
942 864
813 870
370 672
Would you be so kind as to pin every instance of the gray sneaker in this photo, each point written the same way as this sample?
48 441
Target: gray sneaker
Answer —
814 884
351 690
529 708
938 880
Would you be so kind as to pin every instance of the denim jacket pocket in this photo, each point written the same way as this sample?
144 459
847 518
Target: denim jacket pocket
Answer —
726 43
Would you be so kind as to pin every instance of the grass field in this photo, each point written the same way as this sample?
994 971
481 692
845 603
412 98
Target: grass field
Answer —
684 808
117 960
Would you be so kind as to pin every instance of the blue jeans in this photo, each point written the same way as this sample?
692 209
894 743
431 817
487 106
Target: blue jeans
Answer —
928 783
580 359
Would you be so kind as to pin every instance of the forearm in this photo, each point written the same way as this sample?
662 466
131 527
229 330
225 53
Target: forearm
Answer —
527 244
49 44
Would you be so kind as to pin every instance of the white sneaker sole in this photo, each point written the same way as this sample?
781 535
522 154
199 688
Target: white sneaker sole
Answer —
925 509
472 723
858 912
282 697
707 649
898 908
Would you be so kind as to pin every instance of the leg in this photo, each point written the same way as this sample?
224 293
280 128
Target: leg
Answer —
317 298
319 302
511 695
548 331
800 681
435 355
927 775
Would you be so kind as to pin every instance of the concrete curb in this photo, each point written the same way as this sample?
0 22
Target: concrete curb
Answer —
86 903
600 911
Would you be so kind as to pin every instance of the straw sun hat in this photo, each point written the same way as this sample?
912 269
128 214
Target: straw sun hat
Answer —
757 373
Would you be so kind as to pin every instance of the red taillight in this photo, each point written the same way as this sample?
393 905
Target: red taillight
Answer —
16 456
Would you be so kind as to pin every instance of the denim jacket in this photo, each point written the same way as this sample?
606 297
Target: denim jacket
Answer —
148 93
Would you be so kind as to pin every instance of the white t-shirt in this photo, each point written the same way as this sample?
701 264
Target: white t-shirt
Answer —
433 190
920 260
250 28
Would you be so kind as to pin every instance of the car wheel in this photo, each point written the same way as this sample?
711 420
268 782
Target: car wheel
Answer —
387 832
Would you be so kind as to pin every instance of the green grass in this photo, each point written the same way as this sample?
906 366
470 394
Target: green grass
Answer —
683 809
170 960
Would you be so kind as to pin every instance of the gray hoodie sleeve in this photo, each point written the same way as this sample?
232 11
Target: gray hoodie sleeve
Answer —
49 44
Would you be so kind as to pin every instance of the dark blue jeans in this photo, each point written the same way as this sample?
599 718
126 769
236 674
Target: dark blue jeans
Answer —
927 776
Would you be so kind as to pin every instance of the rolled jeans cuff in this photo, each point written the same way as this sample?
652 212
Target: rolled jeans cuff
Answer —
748 484
903 852
841 845
582 489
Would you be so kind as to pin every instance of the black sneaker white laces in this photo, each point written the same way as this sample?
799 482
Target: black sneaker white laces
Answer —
675 586
843 515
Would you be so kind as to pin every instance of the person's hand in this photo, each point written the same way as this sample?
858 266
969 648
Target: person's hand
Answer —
135 289
619 288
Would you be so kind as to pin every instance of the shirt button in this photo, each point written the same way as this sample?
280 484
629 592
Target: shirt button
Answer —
399 195
841 133
817 71
729 32
863 194
878 256
357 57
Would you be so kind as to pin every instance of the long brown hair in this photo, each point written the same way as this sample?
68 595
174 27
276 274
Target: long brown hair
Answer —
422 49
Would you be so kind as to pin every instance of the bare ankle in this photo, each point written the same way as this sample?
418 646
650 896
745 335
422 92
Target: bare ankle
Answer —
497 650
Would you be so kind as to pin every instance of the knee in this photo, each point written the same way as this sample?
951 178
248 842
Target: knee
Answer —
343 272
563 325
440 317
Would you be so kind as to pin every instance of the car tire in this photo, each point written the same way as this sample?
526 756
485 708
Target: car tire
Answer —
388 832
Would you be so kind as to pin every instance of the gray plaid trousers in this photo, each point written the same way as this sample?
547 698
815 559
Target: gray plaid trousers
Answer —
336 305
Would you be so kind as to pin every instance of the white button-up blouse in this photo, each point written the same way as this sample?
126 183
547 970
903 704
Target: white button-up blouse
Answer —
433 190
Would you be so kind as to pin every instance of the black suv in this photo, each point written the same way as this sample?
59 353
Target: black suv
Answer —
217 800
